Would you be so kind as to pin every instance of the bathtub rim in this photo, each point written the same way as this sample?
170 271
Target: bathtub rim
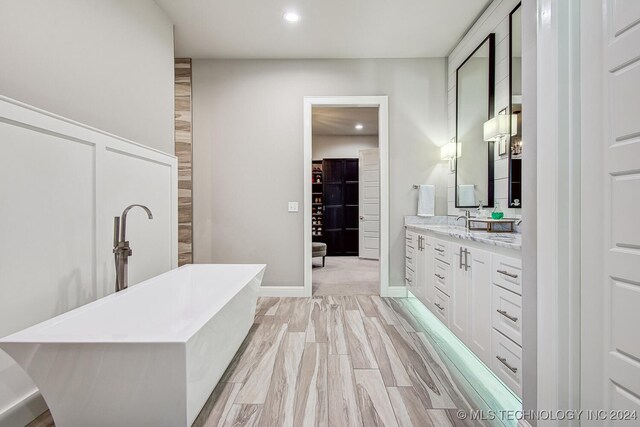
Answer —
36 334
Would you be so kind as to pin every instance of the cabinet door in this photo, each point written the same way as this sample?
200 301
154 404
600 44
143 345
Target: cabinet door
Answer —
427 279
459 315
480 315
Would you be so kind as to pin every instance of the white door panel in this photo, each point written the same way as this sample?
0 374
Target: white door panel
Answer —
369 203
370 209
370 193
625 14
618 291
372 242
370 227
370 175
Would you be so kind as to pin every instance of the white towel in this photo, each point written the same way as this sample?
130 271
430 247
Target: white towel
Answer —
426 200
466 195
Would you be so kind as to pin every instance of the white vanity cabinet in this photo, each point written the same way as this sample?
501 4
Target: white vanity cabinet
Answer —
475 289
418 259
470 317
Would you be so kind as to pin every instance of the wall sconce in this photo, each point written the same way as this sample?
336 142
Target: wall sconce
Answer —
499 128
451 151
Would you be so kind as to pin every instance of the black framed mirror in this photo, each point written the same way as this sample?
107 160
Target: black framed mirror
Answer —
475 93
515 107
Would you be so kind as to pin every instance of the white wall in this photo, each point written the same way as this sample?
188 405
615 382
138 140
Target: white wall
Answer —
495 19
105 63
341 146
248 151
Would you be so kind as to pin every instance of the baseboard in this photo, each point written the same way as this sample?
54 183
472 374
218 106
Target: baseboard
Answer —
24 411
282 291
299 291
396 292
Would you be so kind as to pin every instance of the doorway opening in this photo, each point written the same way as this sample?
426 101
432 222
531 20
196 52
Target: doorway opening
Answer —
346 196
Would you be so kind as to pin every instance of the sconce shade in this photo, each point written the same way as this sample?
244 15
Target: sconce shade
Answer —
499 126
448 151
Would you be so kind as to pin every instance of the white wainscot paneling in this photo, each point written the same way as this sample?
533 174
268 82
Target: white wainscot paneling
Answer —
502 68
501 168
150 240
501 190
501 95
61 184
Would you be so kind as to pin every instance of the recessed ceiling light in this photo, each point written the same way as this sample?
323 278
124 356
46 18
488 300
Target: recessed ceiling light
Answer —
359 126
291 17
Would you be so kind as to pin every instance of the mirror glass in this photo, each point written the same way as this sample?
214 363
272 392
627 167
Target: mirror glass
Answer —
474 106
515 90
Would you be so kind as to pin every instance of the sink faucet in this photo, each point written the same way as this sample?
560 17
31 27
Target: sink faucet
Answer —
466 217
121 247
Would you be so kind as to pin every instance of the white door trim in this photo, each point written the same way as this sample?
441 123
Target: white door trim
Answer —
382 103
558 205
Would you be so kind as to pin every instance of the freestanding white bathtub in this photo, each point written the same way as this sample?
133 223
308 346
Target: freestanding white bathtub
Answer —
147 356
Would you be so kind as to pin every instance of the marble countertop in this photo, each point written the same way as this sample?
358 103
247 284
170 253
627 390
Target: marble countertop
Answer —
504 240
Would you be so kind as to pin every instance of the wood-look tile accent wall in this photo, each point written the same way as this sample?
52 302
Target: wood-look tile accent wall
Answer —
183 148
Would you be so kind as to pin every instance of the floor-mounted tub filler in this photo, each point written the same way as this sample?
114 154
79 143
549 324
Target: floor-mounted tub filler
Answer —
147 356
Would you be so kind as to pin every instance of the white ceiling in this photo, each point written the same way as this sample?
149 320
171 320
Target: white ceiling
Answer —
342 120
328 28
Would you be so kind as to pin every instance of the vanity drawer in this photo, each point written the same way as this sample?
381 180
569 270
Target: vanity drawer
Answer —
442 276
507 272
410 258
506 361
410 239
409 274
441 306
507 313
442 250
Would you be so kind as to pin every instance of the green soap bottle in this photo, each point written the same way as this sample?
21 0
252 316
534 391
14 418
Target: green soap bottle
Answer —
497 212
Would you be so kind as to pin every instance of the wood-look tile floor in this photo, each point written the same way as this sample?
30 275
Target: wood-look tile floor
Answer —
333 361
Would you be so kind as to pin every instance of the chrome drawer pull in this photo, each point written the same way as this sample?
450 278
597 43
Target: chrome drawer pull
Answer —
439 276
439 250
439 306
506 273
408 280
408 257
505 314
504 362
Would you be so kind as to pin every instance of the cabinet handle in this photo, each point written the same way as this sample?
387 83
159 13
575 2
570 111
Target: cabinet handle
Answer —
504 362
408 257
408 280
419 243
466 260
439 250
439 306
506 273
460 257
439 276
507 315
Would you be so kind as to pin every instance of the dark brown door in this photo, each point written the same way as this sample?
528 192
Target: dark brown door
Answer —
341 206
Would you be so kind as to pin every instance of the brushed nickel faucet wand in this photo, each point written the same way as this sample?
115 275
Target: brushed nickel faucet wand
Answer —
466 217
121 249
